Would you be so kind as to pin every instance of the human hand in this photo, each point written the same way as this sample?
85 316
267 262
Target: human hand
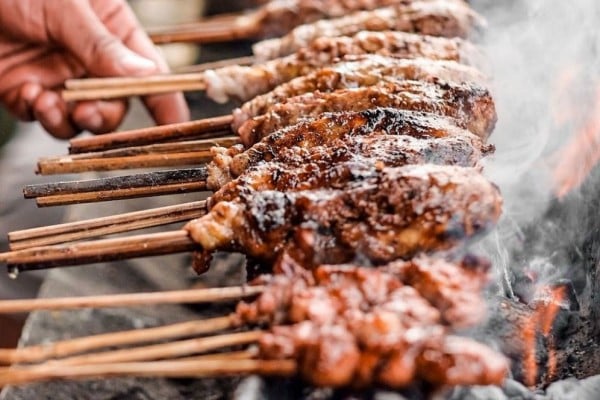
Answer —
44 43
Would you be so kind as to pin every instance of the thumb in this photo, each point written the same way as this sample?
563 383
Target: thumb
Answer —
88 39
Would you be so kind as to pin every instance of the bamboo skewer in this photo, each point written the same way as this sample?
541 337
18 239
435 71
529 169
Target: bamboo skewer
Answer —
160 369
218 30
64 348
98 251
114 87
121 187
120 223
120 194
131 81
192 79
189 296
205 128
69 166
165 350
116 183
162 155
160 148
250 353
130 91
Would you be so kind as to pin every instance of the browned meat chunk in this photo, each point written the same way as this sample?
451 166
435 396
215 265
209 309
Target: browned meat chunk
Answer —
308 155
382 330
382 215
447 286
324 294
360 71
461 361
470 105
246 82
435 17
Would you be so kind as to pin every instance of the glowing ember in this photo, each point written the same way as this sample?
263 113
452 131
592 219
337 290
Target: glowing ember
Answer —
580 155
548 302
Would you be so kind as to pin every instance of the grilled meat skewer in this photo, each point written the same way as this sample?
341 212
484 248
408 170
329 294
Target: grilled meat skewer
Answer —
222 83
292 293
367 70
354 73
359 326
435 18
301 169
277 17
330 355
262 77
382 215
389 331
299 156
470 105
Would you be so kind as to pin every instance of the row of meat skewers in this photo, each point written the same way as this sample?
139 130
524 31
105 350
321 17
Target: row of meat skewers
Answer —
338 167
315 43
401 314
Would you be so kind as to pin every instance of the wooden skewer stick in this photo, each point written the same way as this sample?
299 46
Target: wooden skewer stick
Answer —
189 296
165 350
64 348
144 180
120 194
213 20
98 251
221 30
252 352
131 91
164 369
113 224
189 74
156 155
130 81
208 127
69 166
160 148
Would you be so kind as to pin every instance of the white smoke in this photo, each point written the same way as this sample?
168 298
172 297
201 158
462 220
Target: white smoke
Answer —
546 70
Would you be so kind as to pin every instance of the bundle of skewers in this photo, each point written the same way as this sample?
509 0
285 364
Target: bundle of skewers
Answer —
351 175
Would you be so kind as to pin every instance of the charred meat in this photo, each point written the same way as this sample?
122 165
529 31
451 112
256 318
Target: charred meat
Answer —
308 151
435 18
381 215
352 326
360 71
469 104
246 82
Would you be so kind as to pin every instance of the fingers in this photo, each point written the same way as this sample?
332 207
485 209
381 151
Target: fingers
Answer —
51 111
109 42
102 40
19 101
99 116
84 35
165 109
31 102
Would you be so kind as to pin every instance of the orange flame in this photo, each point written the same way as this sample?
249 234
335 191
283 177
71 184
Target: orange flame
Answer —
542 319
575 161
530 367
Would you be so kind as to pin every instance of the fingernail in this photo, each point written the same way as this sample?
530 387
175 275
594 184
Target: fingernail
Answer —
133 63
93 122
30 93
53 117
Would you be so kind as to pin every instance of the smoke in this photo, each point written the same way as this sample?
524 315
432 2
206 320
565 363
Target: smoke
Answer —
546 71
